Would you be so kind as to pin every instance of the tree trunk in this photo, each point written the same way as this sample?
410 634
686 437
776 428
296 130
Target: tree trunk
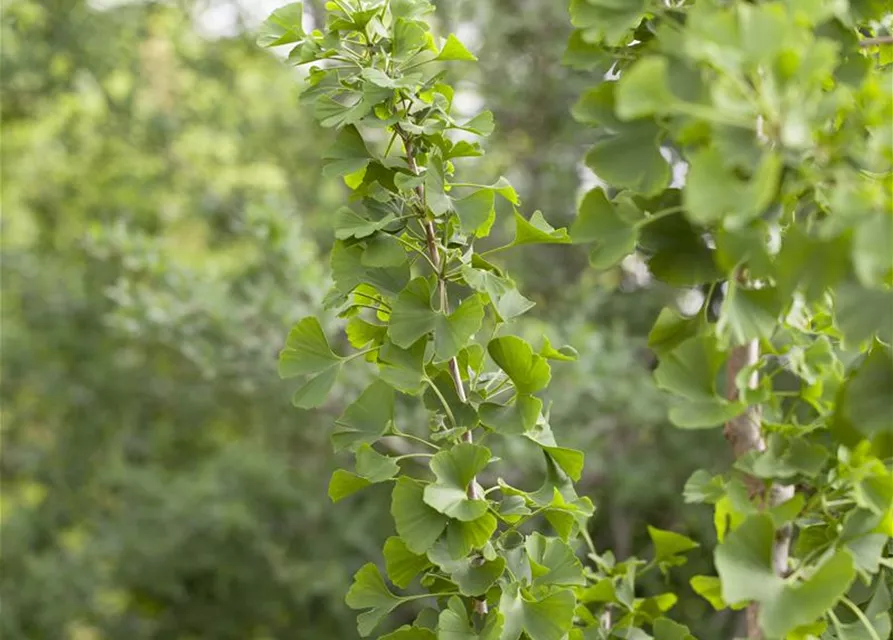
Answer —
745 434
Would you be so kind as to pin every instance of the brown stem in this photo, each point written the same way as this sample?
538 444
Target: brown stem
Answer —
480 606
744 433
873 42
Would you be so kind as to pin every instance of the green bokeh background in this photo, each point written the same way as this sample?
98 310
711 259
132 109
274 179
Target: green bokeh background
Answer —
164 223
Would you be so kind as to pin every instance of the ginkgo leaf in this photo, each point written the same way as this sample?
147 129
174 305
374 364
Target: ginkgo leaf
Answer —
476 212
284 26
464 536
306 350
401 563
350 224
554 562
502 292
374 466
412 317
369 591
547 617
453 49
417 523
348 154
669 543
528 371
537 231
455 469
344 484
366 419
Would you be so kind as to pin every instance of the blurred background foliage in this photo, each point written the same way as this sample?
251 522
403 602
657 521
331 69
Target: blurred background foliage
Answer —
164 222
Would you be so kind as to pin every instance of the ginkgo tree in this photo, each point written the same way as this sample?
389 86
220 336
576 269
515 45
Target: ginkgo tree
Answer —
781 115
781 118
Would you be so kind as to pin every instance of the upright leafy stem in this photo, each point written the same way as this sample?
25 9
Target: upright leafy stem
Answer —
780 113
420 301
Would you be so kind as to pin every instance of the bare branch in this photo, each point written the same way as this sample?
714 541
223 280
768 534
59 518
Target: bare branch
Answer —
873 42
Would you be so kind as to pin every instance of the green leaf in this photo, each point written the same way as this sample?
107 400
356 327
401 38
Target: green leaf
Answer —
785 458
537 231
504 188
865 398
374 466
366 419
546 618
369 591
334 114
306 350
671 329
410 633
666 629
435 190
344 484
690 370
453 623
454 50
872 248
463 412
512 419
360 332
744 562
528 371
643 89
417 524
810 264
284 26
501 291
584 56
679 255
867 552
410 8
476 212
599 221
703 413
412 317
605 21
702 487
403 369
314 392
383 250
462 537
410 36
749 314
631 160
347 155
402 564
349 272
553 562
453 332
709 588
570 460
473 576
455 469
802 603
668 543
565 353
713 192
350 224
745 246
863 313
596 218
482 124
596 107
